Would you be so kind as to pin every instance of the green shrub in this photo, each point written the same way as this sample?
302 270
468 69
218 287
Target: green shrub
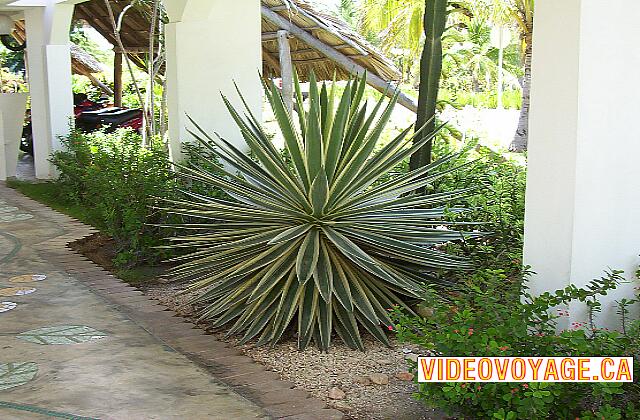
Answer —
488 318
312 232
117 178
497 209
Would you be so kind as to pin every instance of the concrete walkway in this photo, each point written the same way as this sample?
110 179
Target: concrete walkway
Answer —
67 352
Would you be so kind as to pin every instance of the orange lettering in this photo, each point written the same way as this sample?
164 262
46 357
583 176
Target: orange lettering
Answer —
521 375
427 369
468 370
450 364
487 366
623 370
535 368
551 370
582 369
604 372
567 373
502 370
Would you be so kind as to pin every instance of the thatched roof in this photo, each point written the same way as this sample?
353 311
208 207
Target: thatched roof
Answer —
85 60
82 62
333 32
330 30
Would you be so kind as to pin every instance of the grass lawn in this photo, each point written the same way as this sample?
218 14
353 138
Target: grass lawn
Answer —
49 193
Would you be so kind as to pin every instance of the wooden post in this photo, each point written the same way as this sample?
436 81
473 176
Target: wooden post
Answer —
340 59
286 69
117 79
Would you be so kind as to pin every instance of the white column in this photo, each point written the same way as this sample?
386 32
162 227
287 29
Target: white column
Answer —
210 44
583 190
49 69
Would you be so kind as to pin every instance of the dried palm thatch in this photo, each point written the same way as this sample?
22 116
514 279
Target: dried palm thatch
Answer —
83 59
82 62
333 32
320 42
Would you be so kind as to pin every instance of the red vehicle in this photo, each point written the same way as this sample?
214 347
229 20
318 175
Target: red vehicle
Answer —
91 116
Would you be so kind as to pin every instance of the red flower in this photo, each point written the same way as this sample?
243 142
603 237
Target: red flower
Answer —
525 386
503 348
390 328
470 331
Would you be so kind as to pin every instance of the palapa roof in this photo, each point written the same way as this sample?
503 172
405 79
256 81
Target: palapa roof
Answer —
331 31
82 62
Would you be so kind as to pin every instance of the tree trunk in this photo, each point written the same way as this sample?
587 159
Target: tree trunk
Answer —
521 138
435 19
117 79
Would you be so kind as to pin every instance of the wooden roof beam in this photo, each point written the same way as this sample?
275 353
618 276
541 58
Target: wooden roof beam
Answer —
339 58
320 24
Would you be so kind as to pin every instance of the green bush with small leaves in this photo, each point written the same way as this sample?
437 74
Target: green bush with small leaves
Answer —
497 208
487 317
118 179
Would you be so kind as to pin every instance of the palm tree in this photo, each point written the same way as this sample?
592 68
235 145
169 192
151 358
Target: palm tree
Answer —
397 23
521 11
347 10
469 55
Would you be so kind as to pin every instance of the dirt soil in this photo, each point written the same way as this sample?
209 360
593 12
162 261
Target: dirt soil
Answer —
98 248
371 385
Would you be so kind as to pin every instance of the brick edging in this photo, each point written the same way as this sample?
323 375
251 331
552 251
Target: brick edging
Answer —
225 362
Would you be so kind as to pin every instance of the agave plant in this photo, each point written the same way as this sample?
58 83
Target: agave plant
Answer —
318 234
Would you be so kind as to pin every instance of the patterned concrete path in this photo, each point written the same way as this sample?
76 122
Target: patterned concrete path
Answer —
67 352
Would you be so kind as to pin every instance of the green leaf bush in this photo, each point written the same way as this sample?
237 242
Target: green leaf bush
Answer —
498 208
319 235
117 179
487 317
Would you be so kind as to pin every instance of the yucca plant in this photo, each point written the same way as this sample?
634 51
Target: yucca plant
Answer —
312 234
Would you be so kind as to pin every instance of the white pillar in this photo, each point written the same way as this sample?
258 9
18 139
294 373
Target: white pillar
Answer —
210 44
583 190
49 69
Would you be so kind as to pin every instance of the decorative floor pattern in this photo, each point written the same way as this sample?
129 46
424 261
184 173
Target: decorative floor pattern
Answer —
16 374
28 278
17 291
43 411
7 306
10 246
64 334
10 214
66 347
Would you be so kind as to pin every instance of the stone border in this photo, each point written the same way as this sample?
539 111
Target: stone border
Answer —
225 362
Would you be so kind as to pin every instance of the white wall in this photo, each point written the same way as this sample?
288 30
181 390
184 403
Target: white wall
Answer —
583 191
211 44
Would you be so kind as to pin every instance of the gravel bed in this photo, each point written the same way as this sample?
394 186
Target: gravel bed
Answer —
364 385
